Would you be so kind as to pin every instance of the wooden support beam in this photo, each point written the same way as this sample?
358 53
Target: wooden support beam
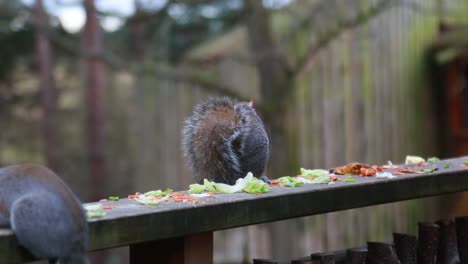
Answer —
191 249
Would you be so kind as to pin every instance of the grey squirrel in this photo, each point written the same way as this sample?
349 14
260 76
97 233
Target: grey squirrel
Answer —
45 215
224 140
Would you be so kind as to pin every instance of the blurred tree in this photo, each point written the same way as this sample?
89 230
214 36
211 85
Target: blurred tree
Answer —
48 95
94 82
276 84
16 37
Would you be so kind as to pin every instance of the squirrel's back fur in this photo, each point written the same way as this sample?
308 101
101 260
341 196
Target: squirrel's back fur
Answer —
224 140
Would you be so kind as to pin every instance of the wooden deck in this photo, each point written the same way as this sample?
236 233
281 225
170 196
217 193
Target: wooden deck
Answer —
181 227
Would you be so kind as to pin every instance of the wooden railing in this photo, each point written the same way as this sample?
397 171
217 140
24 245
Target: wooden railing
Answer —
183 232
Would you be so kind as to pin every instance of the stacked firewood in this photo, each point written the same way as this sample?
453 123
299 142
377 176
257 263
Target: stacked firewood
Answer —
442 242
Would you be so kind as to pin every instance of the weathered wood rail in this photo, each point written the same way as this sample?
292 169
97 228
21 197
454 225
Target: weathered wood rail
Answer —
182 232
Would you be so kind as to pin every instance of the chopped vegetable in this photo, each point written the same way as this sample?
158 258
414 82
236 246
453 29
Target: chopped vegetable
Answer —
312 174
93 207
384 175
303 180
429 170
210 186
414 160
95 214
226 188
352 168
256 186
94 211
350 179
334 178
113 198
366 172
248 184
151 200
433 159
447 165
196 188
182 197
290 181
199 195
274 181
133 196
323 179
159 192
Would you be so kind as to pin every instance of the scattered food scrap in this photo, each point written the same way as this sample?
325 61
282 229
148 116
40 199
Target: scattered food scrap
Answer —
312 174
384 175
429 170
95 211
353 168
433 159
350 179
414 160
152 197
248 184
289 181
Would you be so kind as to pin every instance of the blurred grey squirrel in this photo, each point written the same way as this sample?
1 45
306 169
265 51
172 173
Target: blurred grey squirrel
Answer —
224 140
46 217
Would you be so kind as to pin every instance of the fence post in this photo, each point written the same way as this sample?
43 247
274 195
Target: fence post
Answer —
189 249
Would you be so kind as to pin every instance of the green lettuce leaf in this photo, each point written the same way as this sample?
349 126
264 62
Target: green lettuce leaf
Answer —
350 179
312 174
256 186
322 179
159 192
196 188
290 181
248 184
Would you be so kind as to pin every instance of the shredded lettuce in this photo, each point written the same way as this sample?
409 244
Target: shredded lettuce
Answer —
196 188
349 179
94 211
312 174
290 181
256 186
209 186
157 193
433 159
149 200
248 184
322 179
384 175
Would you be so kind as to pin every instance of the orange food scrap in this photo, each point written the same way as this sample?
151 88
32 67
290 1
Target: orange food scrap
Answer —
353 168
367 172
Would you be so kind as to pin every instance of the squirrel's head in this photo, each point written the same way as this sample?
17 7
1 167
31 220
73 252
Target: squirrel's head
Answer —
244 109
247 112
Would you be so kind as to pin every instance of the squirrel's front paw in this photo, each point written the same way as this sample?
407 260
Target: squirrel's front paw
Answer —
265 179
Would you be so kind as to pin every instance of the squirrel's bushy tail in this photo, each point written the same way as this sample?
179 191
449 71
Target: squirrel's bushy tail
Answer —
65 243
